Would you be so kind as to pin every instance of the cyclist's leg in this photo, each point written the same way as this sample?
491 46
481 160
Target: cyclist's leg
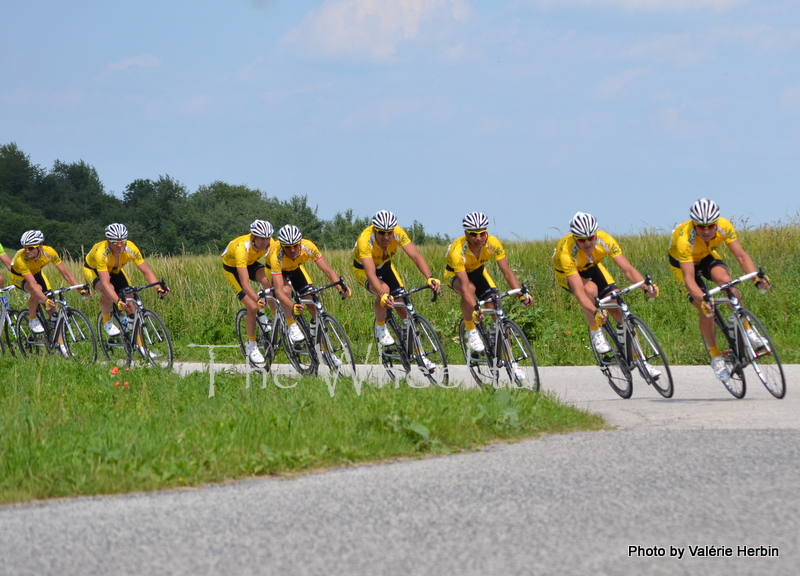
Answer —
232 279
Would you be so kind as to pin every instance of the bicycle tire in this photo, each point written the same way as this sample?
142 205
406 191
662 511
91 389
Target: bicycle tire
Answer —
301 354
79 341
29 343
394 357
765 360
115 349
333 347
647 349
426 344
156 340
9 336
613 365
479 363
729 347
516 355
263 341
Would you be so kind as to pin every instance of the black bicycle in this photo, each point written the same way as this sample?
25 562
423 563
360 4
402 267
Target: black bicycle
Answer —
270 338
506 348
142 338
415 343
634 347
68 332
745 342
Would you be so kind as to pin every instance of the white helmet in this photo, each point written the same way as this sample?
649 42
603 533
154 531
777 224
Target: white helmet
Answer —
704 212
32 238
261 228
289 235
116 232
475 221
583 225
384 220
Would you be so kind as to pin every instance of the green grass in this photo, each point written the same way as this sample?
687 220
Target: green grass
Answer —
68 430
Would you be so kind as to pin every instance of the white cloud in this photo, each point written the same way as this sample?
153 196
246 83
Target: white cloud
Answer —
141 61
652 5
371 29
609 87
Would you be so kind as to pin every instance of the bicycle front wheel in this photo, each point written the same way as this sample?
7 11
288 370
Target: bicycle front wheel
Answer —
301 354
29 343
333 347
731 347
613 364
479 363
647 351
517 357
157 343
763 356
263 341
9 336
394 357
115 349
77 337
426 349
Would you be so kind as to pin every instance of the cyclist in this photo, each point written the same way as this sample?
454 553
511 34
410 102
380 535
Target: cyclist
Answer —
6 262
103 270
374 270
578 264
27 275
465 272
240 266
693 256
285 261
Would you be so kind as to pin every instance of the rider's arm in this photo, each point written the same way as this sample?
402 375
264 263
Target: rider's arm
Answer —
688 269
244 281
576 285
279 289
329 272
66 274
508 273
35 288
105 287
421 263
151 278
745 262
5 260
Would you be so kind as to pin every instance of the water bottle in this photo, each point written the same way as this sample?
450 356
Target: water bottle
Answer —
621 334
730 326
4 300
124 322
263 321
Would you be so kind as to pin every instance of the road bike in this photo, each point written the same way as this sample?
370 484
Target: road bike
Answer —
8 323
331 344
271 338
740 349
67 332
506 348
415 342
633 348
143 338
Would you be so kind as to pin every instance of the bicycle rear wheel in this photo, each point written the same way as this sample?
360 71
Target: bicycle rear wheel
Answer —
77 338
647 349
9 336
156 340
115 349
730 347
613 365
301 354
479 363
394 357
765 359
333 347
427 346
263 341
517 357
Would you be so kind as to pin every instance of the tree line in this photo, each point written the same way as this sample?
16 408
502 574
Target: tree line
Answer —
70 205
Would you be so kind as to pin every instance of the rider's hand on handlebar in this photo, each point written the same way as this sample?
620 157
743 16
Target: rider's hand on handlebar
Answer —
434 284
600 317
477 316
387 301
707 307
297 309
162 292
652 291
49 304
762 283
344 293
526 299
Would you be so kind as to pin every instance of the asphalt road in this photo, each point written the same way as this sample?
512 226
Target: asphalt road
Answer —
699 472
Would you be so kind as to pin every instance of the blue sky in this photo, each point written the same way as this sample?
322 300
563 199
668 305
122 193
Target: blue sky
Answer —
526 110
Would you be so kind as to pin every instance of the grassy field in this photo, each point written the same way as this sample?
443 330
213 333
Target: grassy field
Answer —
67 429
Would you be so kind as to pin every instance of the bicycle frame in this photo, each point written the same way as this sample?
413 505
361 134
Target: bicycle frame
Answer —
62 332
734 337
8 328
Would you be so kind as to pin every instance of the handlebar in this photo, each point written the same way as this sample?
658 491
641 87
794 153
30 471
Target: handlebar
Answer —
522 291
617 293
7 288
136 289
312 290
761 274
403 292
59 291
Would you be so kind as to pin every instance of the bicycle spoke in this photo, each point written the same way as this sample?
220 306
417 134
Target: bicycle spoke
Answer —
764 357
729 347
479 363
156 341
76 338
428 353
613 365
647 351
517 357
333 346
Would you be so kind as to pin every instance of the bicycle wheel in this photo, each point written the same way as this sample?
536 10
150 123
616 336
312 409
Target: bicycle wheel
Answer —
156 341
729 347
765 359
115 349
646 348
333 347
9 336
263 341
394 358
479 363
76 339
426 350
517 357
613 365
29 343
301 354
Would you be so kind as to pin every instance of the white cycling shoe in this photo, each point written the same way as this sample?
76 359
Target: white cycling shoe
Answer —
254 354
519 373
754 338
382 335
652 370
599 342
474 341
720 368
429 366
111 328
35 326
295 334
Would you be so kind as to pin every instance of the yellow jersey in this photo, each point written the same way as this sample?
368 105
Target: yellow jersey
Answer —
22 265
279 261
569 259
687 246
100 257
366 247
460 258
241 253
